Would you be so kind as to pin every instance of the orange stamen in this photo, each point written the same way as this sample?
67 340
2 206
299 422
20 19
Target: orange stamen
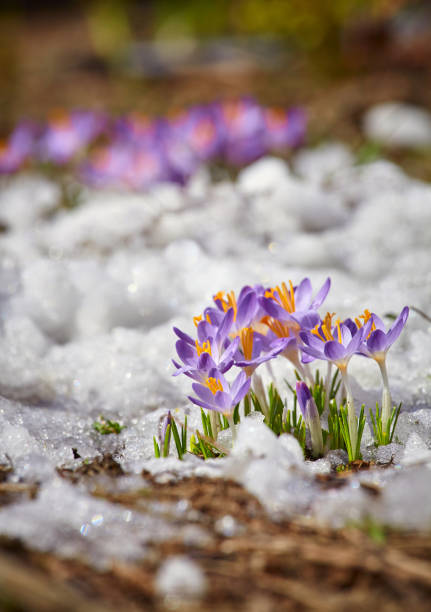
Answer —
246 337
229 302
214 385
340 338
205 348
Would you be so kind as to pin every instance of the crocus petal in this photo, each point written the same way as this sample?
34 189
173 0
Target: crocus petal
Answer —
238 382
377 342
355 342
351 325
185 352
205 362
313 352
303 294
272 308
203 392
311 340
202 404
223 401
398 326
247 307
304 395
184 336
334 351
321 294
242 391
346 334
378 322
307 320
225 327
205 331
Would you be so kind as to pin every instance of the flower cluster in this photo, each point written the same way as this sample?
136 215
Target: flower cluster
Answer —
136 151
237 334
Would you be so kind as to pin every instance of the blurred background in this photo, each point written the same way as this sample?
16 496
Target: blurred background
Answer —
335 58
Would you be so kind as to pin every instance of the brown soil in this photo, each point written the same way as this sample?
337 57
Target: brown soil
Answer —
265 566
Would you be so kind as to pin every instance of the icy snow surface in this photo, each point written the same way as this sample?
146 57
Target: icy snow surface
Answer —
88 300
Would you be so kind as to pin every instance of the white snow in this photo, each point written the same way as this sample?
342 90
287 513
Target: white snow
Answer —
180 578
398 124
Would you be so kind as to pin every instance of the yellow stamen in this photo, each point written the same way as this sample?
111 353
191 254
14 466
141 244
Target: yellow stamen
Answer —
366 317
229 302
214 385
246 337
340 338
316 332
197 320
281 330
205 348
283 296
292 295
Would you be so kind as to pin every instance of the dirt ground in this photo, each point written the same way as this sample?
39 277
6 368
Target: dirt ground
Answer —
263 566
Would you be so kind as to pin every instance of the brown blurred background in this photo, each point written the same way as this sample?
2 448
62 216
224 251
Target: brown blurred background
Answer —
335 57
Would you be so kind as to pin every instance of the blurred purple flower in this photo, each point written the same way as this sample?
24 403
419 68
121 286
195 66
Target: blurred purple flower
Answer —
284 128
243 127
19 147
66 134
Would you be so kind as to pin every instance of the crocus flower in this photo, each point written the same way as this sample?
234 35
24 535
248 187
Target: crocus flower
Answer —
336 344
218 395
243 127
376 346
284 128
290 310
311 417
206 353
199 130
67 133
18 148
294 305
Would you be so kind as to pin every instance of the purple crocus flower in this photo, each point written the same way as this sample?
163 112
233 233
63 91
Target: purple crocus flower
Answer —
290 310
67 134
137 129
148 166
311 416
199 130
218 395
376 346
206 353
337 344
18 148
243 127
379 340
284 128
295 305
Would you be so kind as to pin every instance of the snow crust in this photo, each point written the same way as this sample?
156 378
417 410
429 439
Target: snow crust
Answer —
398 124
88 300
